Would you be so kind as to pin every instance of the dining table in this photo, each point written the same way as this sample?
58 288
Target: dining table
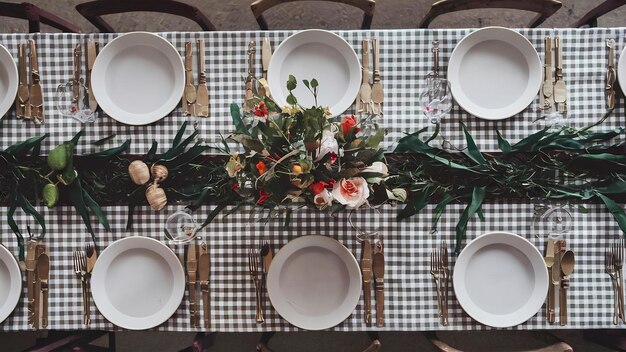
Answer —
410 296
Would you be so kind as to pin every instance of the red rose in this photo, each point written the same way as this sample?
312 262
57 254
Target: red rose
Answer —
318 187
333 157
262 197
347 123
260 110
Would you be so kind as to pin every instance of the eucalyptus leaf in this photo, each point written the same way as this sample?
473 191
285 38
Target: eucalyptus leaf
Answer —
235 114
477 197
616 210
472 150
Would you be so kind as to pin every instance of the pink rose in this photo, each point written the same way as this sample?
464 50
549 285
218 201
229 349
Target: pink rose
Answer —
352 192
323 199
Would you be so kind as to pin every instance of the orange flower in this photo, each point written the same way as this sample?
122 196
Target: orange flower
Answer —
260 166
347 123
296 169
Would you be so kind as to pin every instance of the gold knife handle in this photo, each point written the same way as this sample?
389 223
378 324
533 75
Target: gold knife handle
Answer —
34 65
201 64
620 293
44 305
367 299
550 304
366 61
259 311
563 302
444 301
376 62
206 304
88 300
380 303
615 301
192 303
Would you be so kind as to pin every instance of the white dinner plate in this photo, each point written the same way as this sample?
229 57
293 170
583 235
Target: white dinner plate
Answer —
494 73
137 283
314 282
8 81
138 78
621 70
10 283
317 54
500 279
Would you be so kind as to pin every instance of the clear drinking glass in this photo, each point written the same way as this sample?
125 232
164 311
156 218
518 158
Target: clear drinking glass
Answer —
553 219
436 99
76 109
181 227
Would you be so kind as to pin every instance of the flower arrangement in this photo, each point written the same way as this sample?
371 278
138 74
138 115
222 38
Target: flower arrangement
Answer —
294 154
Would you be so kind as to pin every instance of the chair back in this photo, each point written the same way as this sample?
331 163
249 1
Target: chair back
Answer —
94 10
590 19
543 8
367 6
35 16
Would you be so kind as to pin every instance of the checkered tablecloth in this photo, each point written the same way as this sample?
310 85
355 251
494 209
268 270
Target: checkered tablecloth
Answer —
410 295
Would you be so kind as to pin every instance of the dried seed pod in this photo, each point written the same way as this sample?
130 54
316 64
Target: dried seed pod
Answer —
156 197
159 173
139 172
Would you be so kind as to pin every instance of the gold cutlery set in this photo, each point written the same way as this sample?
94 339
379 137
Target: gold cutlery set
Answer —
254 86
373 267
560 266
38 272
613 263
195 100
29 100
265 259
440 271
553 94
198 269
82 102
611 75
84 262
371 96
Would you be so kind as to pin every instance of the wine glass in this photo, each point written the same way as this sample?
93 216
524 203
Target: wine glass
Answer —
552 219
436 99
181 227
69 107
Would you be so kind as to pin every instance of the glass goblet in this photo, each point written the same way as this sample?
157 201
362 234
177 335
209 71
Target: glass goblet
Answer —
436 99
181 227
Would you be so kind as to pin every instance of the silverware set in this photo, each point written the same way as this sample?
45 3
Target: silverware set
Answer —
378 268
440 272
553 95
195 100
38 272
253 267
371 96
560 265
29 100
80 103
613 264
84 261
198 265
611 75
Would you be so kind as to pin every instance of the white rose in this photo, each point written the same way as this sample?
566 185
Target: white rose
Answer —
398 194
328 144
377 167
352 192
323 199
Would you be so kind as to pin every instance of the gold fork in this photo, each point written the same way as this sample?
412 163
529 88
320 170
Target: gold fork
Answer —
618 256
253 266
435 264
609 267
80 270
445 276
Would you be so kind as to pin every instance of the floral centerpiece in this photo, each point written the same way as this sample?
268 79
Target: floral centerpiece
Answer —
294 154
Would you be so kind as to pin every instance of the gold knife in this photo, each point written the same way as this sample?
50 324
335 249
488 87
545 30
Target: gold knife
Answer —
365 93
556 271
76 79
205 269
91 59
189 97
202 95
36 94
378 94
560 91
379 275
92 257
22 90
446 280
250 78
31 265
549 259
610 75
366 270
192 267
548 82
39 250
43 272
266 56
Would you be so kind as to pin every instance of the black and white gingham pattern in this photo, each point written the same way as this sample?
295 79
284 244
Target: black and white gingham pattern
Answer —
410 295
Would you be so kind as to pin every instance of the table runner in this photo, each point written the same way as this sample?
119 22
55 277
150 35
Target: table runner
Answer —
410 294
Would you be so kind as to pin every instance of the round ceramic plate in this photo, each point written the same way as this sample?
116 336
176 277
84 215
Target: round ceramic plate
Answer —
621 70
8 81
317 54
138 78
494 73
500 279
10 283
314 282
137 283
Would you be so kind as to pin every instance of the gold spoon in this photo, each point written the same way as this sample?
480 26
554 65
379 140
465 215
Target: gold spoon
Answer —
567 268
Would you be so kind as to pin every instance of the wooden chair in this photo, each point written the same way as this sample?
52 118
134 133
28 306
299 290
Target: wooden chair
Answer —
543 8
444 347
94 10
73 341
35 17
260 6
591 18
262 346
201 342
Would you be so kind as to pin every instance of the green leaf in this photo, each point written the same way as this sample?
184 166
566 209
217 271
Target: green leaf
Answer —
29 209
287 217
582 209
179 135
13 225
95 207
76 137
618 186
306 83
187 157
314 83
529 142
472 150
104 140
291 100
214 213
441 206
478 195
292 83
152 152
616 210
25 146
111 152
75 191
416 203
503 144
612 158
235 113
